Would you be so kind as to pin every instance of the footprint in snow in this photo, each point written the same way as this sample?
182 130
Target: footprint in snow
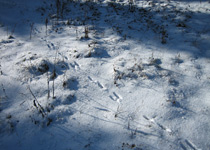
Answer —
51 46
75 65
116 97
186 144
99 84
152 120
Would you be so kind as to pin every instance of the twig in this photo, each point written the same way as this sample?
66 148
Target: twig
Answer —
48 86
38 106
53 86
31 25
4 90
13 30
1 72
58 8
54 75
46 23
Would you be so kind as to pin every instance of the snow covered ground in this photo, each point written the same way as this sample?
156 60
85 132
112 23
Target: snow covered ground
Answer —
104 75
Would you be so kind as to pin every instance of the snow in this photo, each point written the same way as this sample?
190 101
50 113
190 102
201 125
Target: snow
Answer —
105 75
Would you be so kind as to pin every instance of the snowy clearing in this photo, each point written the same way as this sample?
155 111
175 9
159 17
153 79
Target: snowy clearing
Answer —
105 75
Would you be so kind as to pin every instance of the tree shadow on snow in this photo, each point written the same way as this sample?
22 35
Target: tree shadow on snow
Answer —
163 26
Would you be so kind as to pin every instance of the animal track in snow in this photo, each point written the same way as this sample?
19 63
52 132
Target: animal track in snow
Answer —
152 120
99 84
90 78
116 97
188 145
51 46
75 65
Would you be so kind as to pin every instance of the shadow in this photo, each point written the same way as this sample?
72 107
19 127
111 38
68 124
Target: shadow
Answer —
163 26
57 111
173 82
42 67
71 84
160 27
10 91
45 66
179 103
102 109
16 17
70 100
60 67
192 0
59 101
99 53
